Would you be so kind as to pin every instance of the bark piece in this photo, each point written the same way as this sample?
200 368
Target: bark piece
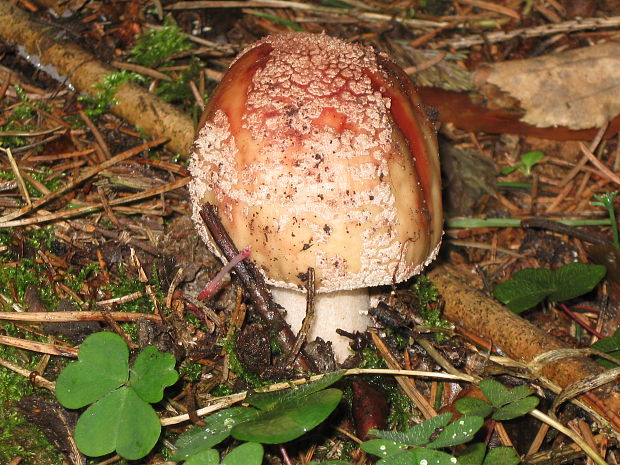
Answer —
67 61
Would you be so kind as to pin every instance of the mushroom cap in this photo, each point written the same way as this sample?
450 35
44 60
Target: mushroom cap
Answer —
318 153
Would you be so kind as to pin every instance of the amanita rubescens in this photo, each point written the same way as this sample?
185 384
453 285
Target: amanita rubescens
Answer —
317 153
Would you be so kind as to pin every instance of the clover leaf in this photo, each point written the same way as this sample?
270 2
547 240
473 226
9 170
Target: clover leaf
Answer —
503 404
120 418
415 444
103 365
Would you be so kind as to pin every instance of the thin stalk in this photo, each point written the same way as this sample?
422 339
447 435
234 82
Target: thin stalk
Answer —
467 223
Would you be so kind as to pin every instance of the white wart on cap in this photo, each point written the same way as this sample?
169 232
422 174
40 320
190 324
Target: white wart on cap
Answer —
318 154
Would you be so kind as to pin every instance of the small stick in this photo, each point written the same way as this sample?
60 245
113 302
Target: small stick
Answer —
71 213
42 347
101 143
604 171
107 208
18 176
254 286
529 32
408 385
142 70
560 228
83 177
35 378
580 321
308 319
51 317
582 162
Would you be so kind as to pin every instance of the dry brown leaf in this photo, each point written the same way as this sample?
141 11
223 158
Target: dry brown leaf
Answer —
577 89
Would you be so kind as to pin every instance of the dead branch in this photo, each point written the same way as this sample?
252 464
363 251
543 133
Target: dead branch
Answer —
77 67
516 337
529 32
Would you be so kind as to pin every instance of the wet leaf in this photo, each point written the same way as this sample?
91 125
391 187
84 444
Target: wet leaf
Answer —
516 409
219 424
459 432
418 434
530 286
289 420
268 400
473 406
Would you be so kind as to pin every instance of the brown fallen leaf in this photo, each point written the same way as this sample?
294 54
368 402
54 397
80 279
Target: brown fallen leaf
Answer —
577 89
370 408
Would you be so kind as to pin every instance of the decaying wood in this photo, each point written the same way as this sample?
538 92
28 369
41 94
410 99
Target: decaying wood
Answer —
516 337
72 64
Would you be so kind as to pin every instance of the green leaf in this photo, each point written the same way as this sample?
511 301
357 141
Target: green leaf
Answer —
268 400
576 279
382 447
509 169
101 367
249 453
289 420
120 421
499 395
152 371
525 289
473 455
529 159
516 409
205 457
610 345
417 435
531 286
419 456
331 462
459 432
219 424
501 456
473 406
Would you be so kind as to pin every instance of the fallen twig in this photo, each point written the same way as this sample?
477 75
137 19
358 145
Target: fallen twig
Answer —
516 337
254 286
47 317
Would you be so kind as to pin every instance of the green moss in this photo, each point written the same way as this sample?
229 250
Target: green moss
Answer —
17 118
125 285
190 371
427 295
15 279
155 46
230 345
104 97
76 278
18 437
42 174
221 390
372 359
178 90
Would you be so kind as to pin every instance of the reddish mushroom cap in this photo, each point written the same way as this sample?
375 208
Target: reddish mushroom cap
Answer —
318 154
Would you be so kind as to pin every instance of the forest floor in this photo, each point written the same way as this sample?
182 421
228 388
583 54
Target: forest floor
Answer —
95 227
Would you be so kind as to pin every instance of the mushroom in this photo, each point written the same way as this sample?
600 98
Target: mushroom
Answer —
318 154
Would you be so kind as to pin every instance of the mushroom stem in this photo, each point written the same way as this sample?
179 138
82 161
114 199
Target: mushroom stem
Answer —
347 310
